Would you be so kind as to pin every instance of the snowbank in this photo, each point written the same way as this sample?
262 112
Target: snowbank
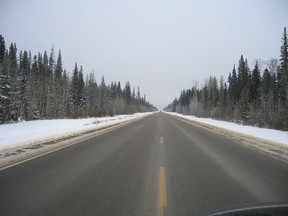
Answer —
12 135
263 133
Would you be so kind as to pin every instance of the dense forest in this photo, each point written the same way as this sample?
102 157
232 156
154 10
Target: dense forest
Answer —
39 88
253 97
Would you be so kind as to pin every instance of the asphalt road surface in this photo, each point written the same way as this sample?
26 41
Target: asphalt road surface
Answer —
158 165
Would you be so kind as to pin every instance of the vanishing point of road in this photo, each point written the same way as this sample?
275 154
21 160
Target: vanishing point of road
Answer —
157 165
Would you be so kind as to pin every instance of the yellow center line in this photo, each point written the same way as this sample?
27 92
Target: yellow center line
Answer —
161 139
162 200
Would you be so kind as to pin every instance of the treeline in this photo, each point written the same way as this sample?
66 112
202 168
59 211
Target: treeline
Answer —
39 88
249 97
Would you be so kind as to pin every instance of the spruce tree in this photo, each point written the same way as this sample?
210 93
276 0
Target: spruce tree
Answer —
119 90
81 94
58 68
59 107
245 107
283 82
284 55
5 85
24 70
73 97
255 85
102 98
12 70
242 75
266 96
234 90
2 49
36 98
46 83
138 99
128 95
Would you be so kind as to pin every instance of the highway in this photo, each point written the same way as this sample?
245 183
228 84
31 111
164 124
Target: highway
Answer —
158 165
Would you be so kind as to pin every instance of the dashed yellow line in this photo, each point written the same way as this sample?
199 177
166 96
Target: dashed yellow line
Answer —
161 139
162 199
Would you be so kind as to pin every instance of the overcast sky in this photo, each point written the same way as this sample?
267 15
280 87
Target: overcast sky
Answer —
163 46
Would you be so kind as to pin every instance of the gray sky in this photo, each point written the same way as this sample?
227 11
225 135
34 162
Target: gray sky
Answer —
163 46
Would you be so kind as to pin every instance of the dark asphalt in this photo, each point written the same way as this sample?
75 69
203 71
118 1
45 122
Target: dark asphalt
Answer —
117 173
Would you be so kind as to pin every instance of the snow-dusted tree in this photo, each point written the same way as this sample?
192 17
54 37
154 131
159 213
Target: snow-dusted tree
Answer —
283 81
40 88
102 107
127 96
46 81
82 99
138 99
34 89
234 90
12 70
92 95
266 97
5 85
58 90
257 115
65 95
222 99
23 73
73 94
2 49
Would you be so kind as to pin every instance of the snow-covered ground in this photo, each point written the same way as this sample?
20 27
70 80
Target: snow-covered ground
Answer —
263 133
24 133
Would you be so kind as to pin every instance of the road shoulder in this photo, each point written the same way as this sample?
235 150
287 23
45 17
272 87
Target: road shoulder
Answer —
15 155
274 149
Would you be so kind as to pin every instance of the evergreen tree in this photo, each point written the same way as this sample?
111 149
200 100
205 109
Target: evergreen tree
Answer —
245 107
234 86
255 95
52 60
138 99
119 90
73 97
213 96
242 74
65 95
127 93
256 82
51 88
283 81
2 49
58 89
58 68
274 114
204 101
284 55
12 70
81 92
36 97
39 87
102 98
222 98
24 69
266 97
46 83
92 95
249 97
5 85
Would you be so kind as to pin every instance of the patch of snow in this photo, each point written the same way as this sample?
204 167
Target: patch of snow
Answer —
263 133
23 133
3 97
